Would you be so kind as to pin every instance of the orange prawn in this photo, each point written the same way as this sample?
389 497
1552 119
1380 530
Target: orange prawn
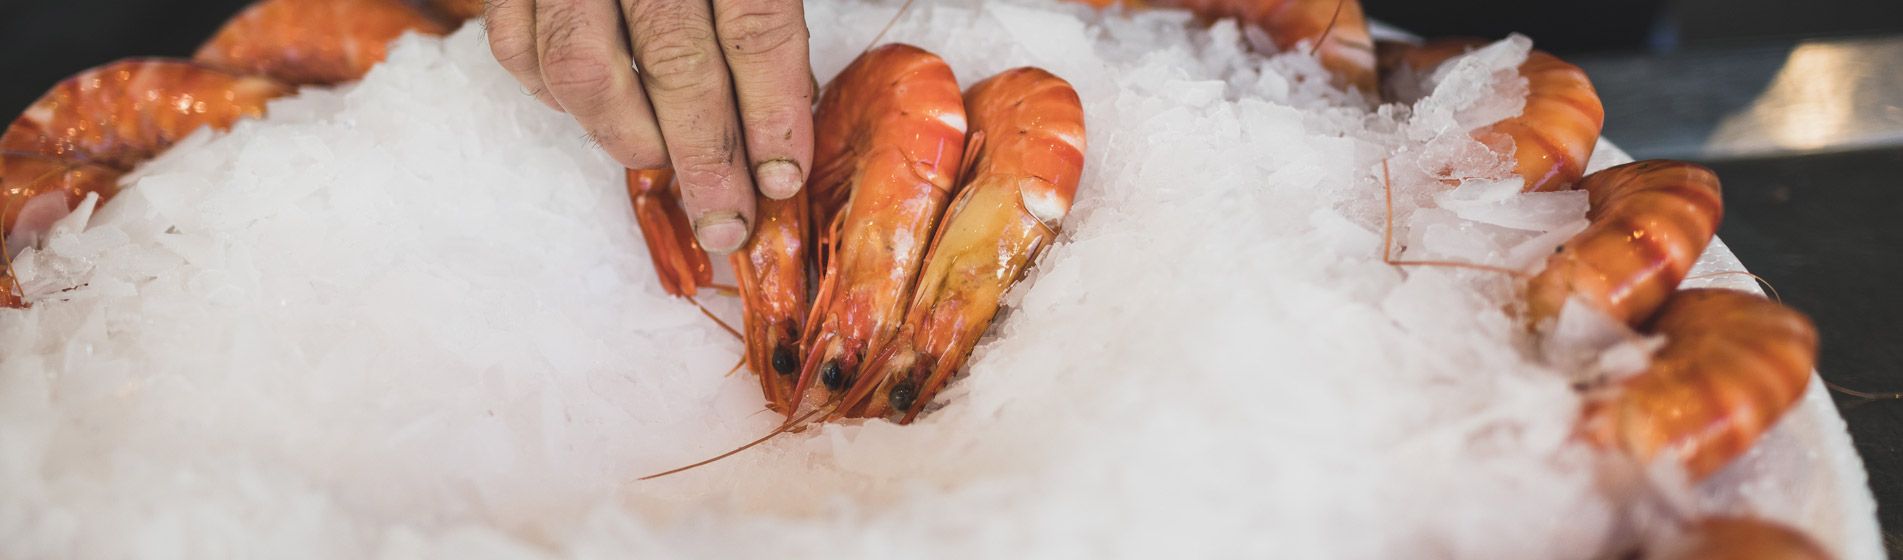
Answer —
1337 30
89 129
1553 137
1027 154
678 259
123 113
1740 538
770 270
36 192
312 41
457 10
890 135
1732 364
1649 222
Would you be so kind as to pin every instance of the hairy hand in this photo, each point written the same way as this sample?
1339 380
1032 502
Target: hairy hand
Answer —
721 90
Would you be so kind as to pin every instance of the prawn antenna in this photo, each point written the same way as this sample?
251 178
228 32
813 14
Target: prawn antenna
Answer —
790 425
1387 238
710 315
1863 395
1326 31
1760 280
903 8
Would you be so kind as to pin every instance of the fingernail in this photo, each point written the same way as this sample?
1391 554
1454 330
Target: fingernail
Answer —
779 179
720 232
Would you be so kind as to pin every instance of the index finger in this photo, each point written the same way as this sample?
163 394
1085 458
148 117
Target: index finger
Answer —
686 80
765 43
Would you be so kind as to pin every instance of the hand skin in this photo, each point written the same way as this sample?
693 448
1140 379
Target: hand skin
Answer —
723 92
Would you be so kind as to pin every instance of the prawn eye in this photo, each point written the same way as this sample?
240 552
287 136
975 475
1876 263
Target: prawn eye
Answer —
902 395
783 361
832 377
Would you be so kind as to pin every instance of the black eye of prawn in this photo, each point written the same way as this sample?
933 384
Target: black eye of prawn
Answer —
783 361
832 377
902 395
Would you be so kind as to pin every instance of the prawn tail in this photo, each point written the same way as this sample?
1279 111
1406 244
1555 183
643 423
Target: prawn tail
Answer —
680 263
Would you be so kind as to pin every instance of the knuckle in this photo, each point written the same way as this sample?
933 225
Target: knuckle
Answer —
770 125
760 30
705 175
676 50
515 51
678 66
575 75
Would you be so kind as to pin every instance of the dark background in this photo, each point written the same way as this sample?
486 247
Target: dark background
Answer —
1820 222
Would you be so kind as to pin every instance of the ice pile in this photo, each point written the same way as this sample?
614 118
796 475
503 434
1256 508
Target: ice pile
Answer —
412 318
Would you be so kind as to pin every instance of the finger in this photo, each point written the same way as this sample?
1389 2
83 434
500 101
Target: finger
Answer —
765 44
686 78
511 28
586 65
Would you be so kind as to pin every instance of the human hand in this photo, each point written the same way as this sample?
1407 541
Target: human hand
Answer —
723 93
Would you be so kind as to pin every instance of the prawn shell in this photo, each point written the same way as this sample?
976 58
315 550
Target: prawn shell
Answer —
1732 364
1649 221
1552 138
312 41
123 113
1741 538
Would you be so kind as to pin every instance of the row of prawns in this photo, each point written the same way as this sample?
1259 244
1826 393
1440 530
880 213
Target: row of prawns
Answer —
92 128
1732 365
1733 362
865 292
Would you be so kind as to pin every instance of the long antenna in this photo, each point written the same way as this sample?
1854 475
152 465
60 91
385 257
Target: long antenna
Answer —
788 426
903 8
1326 31
1387 238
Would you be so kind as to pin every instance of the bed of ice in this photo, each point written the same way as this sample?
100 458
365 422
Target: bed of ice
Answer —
413 318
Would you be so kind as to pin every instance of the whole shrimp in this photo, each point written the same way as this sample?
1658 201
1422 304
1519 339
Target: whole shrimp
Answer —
1027 155
1741 538
457 10
1552 138
678 259
771 270
312 41
890 132
1732 364
1337 31
1649 222
89 129
123 113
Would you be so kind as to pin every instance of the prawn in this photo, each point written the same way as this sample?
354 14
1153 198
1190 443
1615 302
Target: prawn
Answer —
1649 221
1740 538
770 272
457 10
1027 153
1336 30
678 259
1552 138
312 41
889 137
123 113
1732 364
89 129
